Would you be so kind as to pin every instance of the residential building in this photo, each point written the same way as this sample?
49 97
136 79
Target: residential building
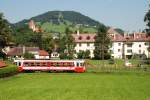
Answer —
42 54
18 52
85 42
123 46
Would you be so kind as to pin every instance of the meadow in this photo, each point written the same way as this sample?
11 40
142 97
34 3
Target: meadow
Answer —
76 86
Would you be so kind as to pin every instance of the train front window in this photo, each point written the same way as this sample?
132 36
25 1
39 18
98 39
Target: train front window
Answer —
81 64
19 63
78 64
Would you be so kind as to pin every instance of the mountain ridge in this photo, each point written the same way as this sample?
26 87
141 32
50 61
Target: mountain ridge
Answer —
54 16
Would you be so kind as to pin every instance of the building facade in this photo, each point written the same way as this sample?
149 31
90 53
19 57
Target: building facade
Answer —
123 45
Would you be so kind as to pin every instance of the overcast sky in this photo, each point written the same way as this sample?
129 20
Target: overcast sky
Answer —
125 14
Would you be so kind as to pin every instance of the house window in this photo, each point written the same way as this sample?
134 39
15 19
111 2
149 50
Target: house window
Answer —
129 45
140 45
139 51
80 38
119 44
119 50
79 44
111 51
146 43
129 51
88 44
88 38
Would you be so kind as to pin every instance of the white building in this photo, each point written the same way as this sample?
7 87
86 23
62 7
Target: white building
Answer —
42 54
85 42
123 46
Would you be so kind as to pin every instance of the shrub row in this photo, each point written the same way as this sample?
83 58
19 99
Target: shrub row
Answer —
8 71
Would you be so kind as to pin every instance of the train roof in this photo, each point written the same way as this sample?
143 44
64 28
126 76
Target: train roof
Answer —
35 60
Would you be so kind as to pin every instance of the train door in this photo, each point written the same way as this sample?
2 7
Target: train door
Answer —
17 62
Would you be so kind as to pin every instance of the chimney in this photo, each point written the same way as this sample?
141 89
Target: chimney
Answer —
24 49
114 36
124 35
134 35
78 32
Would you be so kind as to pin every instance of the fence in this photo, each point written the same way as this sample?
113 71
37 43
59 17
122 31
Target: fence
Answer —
117 66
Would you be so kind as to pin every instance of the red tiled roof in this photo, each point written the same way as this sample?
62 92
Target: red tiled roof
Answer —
2 64
19 50
118 38
84 37
137 37
43 53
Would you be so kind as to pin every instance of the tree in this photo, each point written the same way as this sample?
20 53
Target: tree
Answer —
87 54
147 20
26 37
5 31
67 43
47 43
28 55
102 42
83 54
70 44
80 54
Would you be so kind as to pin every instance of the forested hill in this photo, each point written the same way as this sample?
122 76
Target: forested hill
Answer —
58 16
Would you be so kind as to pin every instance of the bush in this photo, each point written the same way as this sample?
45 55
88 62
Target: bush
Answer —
146 61
28 56
83 54
8 71
111 61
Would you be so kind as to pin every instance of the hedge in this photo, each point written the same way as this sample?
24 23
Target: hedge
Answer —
8 71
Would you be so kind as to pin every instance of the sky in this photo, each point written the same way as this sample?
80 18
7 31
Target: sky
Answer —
125 14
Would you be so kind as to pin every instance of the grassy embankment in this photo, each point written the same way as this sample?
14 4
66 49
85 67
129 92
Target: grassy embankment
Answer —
9 70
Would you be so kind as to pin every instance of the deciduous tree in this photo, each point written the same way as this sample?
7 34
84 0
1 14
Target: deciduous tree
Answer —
5 34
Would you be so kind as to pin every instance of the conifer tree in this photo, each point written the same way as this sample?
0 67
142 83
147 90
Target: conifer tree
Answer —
102 42
147 20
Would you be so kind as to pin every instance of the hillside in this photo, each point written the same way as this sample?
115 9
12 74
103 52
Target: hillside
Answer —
56 21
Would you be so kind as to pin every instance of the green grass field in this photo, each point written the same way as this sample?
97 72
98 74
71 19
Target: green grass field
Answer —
76 86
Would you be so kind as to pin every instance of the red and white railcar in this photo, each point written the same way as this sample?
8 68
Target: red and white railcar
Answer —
51 65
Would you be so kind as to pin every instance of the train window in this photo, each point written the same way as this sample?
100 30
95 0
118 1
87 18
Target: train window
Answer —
81 64
53 64
32 64
77 64
61 64
19 63
71 64
26 64
44 64
37 64
57 64
65 64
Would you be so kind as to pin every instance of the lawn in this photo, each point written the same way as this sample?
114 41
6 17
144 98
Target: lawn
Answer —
76 86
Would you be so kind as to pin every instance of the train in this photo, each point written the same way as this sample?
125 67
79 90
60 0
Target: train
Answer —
51 65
